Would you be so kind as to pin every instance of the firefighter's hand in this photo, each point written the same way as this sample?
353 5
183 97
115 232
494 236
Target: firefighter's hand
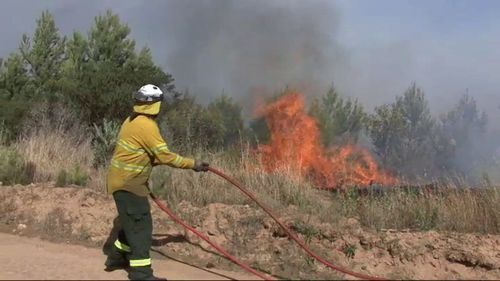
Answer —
200 166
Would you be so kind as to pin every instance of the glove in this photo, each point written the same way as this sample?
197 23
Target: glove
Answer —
200 166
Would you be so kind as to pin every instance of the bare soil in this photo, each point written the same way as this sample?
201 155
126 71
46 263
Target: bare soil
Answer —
83 216
31 258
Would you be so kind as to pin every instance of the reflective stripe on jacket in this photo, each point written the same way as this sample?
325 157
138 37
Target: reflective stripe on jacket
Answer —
139 147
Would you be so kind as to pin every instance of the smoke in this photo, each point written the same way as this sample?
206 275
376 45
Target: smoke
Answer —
237 46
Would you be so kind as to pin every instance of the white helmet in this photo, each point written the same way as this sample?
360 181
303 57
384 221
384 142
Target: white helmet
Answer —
149 93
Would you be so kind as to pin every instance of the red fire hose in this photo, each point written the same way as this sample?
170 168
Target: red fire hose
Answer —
289 232
197 233
268 211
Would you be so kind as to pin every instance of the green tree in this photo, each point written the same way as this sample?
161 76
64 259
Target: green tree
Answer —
187 124
14 80
462 144
103 70
339 120
30 78
44 55
402 134
226 113
15 86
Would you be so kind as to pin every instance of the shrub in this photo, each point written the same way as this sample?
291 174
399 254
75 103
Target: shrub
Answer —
76 177
13 168
349 250
105 137
62 178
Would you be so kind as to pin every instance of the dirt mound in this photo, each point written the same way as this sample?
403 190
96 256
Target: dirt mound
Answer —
86 216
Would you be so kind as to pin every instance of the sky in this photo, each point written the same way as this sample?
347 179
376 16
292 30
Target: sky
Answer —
446 47
370 50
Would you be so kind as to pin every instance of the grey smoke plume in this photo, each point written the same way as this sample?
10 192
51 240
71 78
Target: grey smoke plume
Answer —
238 45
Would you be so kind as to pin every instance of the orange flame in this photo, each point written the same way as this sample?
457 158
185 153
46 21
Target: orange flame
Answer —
295 145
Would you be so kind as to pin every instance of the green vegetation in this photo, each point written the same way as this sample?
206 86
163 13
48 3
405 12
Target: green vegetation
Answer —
349 250
105 137
13 169
76 176
340 121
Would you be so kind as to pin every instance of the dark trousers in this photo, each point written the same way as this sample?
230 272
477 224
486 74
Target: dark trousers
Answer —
135 235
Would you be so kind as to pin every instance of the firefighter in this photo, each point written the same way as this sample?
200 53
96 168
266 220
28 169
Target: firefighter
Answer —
139 148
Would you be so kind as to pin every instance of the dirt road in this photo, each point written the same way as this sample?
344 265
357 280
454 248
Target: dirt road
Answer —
32 258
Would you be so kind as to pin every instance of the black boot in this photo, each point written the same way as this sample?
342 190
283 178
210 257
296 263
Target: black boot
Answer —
116 260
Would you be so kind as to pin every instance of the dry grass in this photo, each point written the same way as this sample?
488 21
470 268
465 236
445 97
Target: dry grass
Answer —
97 179
450 210
53 150
276 189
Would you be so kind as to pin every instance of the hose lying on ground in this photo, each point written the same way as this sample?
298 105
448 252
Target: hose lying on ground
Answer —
268 211
197 233
289 232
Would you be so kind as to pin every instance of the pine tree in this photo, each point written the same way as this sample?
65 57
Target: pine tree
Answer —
224 111
461 142
103 70
44 55
339 120
402 134
14 88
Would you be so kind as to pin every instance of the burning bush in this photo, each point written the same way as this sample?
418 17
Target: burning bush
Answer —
295 145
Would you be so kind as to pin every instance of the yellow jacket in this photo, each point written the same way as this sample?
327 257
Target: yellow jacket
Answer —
139 148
